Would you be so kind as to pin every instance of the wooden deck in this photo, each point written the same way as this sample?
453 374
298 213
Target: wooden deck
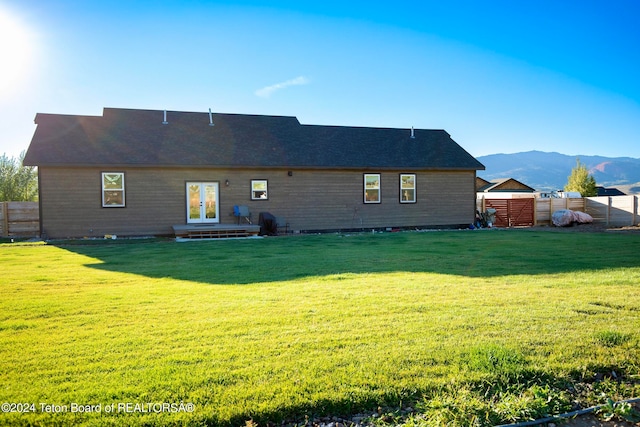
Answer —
215 231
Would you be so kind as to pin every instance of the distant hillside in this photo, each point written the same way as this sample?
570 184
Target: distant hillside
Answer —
549 171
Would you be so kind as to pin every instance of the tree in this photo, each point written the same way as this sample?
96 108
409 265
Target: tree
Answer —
18 183
581 181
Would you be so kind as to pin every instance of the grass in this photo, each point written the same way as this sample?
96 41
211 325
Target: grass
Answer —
467 328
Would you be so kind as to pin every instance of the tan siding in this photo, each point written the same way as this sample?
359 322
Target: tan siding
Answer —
518 186
309 199
450 196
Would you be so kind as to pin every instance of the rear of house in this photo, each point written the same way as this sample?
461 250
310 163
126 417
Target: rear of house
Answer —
140 172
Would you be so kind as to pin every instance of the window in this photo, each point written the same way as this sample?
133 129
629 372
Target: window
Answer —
407 188
372 188
259 189
112 189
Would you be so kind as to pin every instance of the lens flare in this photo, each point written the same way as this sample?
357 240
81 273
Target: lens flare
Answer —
15 52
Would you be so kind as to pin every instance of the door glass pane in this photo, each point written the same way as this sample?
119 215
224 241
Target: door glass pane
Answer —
210 200
194 201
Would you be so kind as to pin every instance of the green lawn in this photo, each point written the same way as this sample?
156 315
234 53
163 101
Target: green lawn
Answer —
467 328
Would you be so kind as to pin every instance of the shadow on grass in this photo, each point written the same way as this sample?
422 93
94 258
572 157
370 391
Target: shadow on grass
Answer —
464 253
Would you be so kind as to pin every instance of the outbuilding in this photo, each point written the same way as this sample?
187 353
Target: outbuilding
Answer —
505 188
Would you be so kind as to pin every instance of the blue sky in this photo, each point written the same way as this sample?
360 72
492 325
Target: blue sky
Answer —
499 76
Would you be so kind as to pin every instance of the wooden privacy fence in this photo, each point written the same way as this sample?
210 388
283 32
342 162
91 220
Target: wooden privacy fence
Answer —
19 219
546 207
615 210
610 210
22 219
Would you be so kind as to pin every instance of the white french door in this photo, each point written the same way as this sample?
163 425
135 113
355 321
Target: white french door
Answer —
202 202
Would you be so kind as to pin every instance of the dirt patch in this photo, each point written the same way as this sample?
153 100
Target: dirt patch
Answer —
630 229
587 228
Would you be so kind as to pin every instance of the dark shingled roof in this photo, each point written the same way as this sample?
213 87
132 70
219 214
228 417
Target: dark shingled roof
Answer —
126 137
504 185
602 191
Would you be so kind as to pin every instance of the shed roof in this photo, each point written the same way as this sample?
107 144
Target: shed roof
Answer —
128 137
504 185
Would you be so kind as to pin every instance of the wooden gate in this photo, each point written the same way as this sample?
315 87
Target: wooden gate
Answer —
512 212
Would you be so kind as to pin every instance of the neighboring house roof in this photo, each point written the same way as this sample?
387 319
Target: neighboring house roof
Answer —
129 137
481 183
609 191
502 185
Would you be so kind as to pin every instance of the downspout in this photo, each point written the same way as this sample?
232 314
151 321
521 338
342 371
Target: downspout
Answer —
42 236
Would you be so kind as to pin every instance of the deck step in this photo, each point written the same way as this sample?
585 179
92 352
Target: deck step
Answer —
217 231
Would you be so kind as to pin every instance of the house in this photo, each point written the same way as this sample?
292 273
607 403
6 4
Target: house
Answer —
141 172
505 188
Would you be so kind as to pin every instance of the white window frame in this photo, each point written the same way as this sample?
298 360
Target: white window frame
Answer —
259 189
371 186
109 185
407 187
204 206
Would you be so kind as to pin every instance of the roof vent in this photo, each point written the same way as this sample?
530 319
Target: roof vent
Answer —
164 121
210 118
412 134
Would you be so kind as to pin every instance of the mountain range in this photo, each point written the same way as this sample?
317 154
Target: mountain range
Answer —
550 171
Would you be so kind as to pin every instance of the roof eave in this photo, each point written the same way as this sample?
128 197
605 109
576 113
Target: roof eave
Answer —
283 167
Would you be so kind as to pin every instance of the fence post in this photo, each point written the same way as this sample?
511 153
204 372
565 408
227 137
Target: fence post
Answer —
634 215
608 210
4 212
